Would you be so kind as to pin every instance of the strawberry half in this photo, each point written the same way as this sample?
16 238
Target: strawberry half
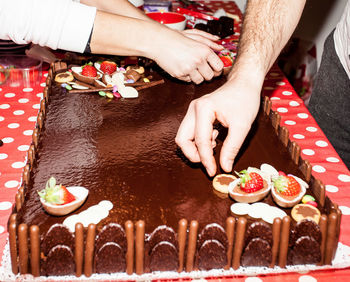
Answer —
287 185
56 194
250 181
108 67
89 70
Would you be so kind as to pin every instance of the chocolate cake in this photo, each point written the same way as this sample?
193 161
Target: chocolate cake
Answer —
165 215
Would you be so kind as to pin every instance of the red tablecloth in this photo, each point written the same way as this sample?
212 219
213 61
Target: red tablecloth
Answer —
19 108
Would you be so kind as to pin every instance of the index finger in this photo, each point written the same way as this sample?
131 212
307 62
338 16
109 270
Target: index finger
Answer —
215 62
203 138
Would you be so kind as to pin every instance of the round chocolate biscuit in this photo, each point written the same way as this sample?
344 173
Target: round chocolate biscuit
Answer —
213 231
164 257
58 234
257 253
212 255
59 261
258 229
110 258
222 181
161 233
112 232
306 251
308 227
64 77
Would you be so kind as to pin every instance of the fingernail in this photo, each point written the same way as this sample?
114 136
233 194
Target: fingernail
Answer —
228 165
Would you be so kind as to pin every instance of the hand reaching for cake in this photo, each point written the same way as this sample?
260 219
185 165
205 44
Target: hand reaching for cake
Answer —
235 106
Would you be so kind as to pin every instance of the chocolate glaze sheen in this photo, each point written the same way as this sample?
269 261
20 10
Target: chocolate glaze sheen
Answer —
123 150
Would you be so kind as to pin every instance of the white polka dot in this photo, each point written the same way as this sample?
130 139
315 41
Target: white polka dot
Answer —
13 125
2 118
290 122
294 104
23 148
11 184
311 129
303 115
275 98
287 93
7 140
269 88
2 229
253 279
10 95
282 110
23 100
298 136
280 83
40 95
344 177
43 84
332 160
307 278
308 152
32 118
332 188
27 89
3 156
4 106
318 168
321 143
28 132
18 164
36 106
18 112
344 210
5 206
45 74
274 74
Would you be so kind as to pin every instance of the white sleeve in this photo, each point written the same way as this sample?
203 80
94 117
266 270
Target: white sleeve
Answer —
63 24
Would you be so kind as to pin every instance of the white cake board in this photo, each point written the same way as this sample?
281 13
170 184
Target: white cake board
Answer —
341 260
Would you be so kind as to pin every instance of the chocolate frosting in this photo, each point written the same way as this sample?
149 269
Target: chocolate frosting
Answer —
123 150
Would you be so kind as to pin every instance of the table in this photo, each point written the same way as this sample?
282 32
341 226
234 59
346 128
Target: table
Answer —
19 108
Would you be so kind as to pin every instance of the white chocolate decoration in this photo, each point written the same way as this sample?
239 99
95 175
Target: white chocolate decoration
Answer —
269 169
258 210
93 214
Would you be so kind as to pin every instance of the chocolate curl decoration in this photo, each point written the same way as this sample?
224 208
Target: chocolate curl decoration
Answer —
35 250
182 242
79 249
191 249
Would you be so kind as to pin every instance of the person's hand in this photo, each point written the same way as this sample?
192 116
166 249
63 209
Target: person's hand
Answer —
203 37
185 58
235 106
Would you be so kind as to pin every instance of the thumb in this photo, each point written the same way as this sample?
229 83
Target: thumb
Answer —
230 148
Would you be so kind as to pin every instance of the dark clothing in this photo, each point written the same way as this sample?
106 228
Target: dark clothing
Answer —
330 101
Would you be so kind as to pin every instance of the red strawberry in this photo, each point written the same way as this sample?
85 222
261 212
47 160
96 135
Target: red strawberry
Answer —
250 182
287 185
89 70
108 67
226 60
56 194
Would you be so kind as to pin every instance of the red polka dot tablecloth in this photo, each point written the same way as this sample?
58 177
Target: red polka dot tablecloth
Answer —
19 108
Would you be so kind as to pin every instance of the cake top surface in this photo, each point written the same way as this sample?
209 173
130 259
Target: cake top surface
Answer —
123 150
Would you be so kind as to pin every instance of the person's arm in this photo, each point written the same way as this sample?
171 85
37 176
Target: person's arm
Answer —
267 26
180 56
117 7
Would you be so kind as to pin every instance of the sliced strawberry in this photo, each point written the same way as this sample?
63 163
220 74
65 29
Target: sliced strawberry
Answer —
108 67
56 194
287 185
89 70
250 182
